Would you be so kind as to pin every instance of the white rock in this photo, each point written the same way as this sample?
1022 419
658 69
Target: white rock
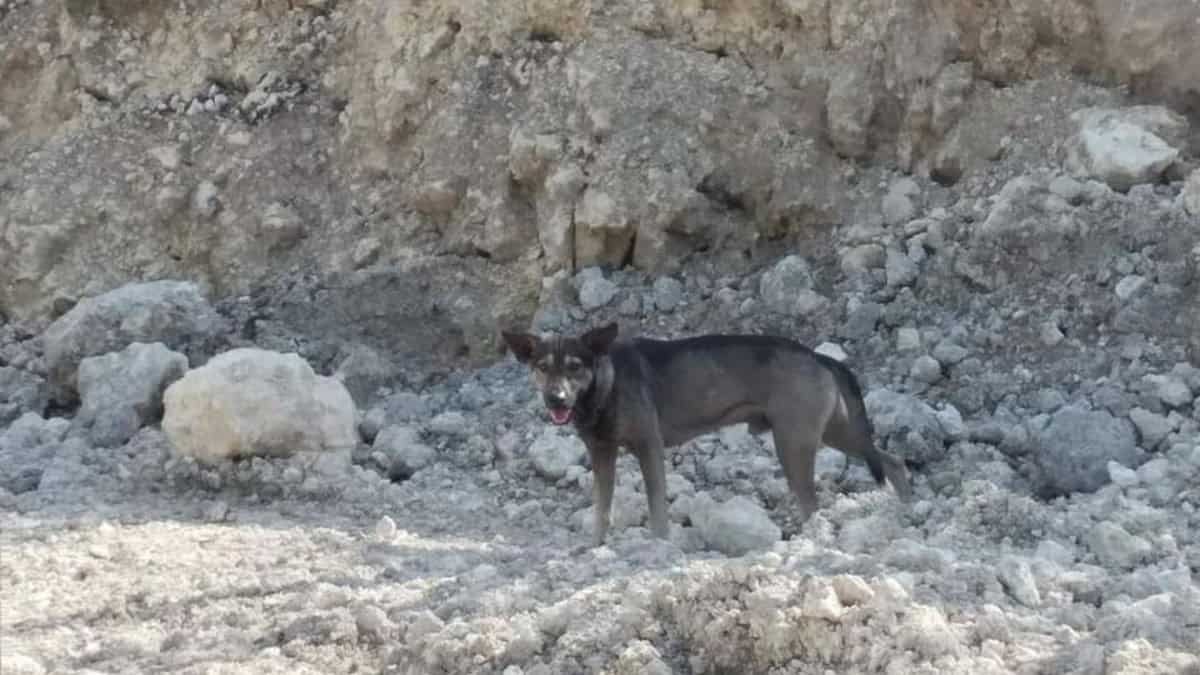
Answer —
1129 286
1191 193
832 350
952 423
1121 475
1124 147
250 401
734 527
554 452
1017 578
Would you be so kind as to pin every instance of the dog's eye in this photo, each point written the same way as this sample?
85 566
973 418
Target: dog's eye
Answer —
574 366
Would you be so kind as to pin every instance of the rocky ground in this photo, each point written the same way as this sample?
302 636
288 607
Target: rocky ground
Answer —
252 419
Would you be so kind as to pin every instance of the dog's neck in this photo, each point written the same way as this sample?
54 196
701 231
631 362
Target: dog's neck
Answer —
594 401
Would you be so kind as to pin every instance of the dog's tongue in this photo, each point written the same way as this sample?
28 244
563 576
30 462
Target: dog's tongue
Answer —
560 415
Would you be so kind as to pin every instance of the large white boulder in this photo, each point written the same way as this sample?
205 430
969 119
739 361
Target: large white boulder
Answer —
247 402
1125 147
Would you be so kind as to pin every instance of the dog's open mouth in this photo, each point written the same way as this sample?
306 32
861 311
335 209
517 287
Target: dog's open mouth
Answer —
560 415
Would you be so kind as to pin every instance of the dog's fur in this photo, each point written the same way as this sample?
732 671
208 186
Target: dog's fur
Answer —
648 395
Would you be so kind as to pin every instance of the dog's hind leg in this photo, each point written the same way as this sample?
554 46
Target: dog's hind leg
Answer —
604 475
797 452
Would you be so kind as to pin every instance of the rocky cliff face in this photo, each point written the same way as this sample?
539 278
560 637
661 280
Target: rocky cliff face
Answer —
417 169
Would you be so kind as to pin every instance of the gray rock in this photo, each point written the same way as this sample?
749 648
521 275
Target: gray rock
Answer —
1130 286
735 527
254 402
1017 578
862 318
20 392
594 290
174 313
553 453
1152 428
1124 147
898 207
450 423
404 449
1114 546
786 288
1122 476
952 423
926 369
1073 450
668 293
949 353
403 406
1190 196
26 448
901 270
121 392
907 425
1154 472
374 625
363 371
1173 391
908 339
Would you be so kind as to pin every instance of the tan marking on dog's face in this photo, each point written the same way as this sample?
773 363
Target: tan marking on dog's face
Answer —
560 372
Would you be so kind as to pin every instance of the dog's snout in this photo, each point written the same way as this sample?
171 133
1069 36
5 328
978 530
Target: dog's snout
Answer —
555 398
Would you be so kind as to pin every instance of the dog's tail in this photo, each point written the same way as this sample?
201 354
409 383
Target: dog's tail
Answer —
883 465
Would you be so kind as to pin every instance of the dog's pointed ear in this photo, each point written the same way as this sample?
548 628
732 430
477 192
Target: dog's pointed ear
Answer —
598 340
522 345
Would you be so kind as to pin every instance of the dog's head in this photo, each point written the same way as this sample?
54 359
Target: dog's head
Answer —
563 368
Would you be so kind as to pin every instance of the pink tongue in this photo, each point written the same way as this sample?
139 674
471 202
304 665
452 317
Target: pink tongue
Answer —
560 415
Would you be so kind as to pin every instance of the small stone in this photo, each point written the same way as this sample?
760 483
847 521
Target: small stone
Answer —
735 527
450 423
1154 472
553 453
385 529
595 292
1190 196
1121 475
1172 391
901 270
908 339
1114 546
1017 578
898 207
861 319
366 252
952 423
668 293
205 201
405 452
832 350
1129 286
372 622
926 369
786 288
949 353
1050 334
1152 427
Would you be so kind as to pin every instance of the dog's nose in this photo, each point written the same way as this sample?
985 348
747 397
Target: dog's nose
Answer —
555 399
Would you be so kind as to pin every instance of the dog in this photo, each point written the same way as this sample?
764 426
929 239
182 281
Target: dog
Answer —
648 395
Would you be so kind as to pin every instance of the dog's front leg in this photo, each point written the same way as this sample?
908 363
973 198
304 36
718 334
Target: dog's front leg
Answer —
604 475
654 473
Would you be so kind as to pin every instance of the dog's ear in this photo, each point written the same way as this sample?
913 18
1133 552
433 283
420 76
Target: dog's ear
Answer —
522 345
598 340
